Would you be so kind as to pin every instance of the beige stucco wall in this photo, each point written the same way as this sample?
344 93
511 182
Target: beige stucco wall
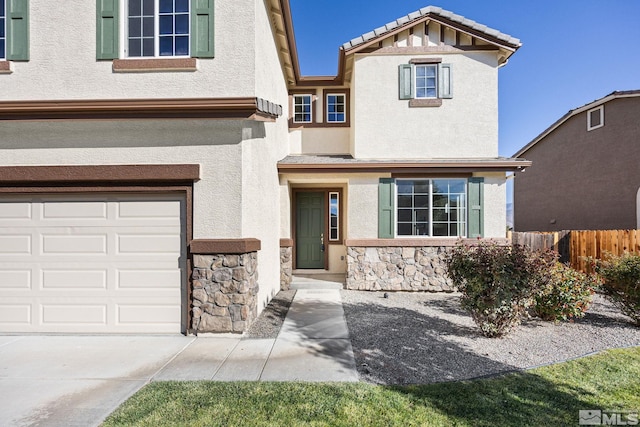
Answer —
319 140
495 204
215 145
260 184
63 62
464 126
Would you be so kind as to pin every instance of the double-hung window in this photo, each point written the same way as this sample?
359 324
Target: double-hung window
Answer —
431 207
426 81
336 107
302 109
158 28
154 29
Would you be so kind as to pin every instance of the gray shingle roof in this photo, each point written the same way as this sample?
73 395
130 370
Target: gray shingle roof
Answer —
432 10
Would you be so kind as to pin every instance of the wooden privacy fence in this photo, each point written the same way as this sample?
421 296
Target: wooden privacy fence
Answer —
576 245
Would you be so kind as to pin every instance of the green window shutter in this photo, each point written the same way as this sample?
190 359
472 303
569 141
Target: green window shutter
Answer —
107 29
405 81
445 86
386 208
17 15
476 207
202 13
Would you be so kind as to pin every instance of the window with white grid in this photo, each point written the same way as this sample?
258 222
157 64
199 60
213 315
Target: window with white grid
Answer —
158 28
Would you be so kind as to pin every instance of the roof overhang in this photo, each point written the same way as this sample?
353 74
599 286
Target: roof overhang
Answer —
189 108
575 112
328 164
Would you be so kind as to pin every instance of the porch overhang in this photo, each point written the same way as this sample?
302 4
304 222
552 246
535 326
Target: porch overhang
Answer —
347 164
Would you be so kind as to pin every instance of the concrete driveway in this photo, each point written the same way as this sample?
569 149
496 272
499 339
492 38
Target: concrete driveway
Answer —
79 380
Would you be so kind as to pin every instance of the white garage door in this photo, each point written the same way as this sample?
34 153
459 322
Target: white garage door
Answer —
92 264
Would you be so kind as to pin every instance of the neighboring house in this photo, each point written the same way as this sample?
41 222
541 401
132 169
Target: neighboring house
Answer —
166 167
562 190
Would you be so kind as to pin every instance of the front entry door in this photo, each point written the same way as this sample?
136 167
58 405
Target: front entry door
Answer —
310 230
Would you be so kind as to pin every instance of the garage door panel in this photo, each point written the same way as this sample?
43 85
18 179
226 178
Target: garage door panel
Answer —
147 243
92 264
80 315
15 244
74 210
140 210
15 279
12 315
15 211
74 244
74 279
147 313
145 279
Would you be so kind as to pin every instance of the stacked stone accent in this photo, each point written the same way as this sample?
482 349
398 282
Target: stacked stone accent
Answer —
224 293
286 267
397 269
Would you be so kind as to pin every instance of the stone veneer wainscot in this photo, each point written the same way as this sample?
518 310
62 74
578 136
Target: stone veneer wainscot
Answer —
286 263
401 264
224 286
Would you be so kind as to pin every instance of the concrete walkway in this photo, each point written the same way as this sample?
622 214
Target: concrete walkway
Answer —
313 345
64 380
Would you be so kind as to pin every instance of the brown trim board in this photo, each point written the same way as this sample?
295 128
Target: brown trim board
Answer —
409 167
224 246
202 108
286 243
154 65
74 174
422 242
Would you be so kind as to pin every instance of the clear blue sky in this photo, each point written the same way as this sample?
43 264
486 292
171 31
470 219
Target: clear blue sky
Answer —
573 51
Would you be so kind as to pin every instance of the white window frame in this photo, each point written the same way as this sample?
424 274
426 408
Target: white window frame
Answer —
337 227
124 33
464 211
344 104
415 81
591 127
3 40
302 95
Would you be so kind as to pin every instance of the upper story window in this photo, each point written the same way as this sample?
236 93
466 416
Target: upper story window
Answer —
158 28
302 111
425 82
149 29
595 118
2 31
336 108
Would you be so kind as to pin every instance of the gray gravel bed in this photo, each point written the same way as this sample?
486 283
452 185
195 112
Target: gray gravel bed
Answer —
419 338
269 322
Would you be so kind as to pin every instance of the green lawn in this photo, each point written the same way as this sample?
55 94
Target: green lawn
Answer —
548 396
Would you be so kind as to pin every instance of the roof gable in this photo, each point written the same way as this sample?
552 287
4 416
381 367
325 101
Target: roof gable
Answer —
477 34
574 112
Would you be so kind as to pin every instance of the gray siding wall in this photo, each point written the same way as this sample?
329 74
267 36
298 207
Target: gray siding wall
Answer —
583 180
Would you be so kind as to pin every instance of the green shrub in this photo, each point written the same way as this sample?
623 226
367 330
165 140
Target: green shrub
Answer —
567 295
498 283
621 282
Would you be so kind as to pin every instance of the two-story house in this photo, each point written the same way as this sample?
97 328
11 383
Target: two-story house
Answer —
395 158
561 191
164 166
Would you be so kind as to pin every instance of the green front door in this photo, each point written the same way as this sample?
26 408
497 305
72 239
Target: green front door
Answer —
310 230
